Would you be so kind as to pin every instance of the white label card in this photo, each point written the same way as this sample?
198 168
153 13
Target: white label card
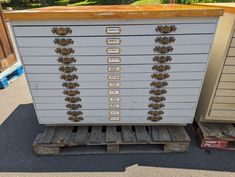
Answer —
113 51
113 30
114 60
114 99
114 84
114 118
114 112
114 92
114 77
114 105
113 41
114 69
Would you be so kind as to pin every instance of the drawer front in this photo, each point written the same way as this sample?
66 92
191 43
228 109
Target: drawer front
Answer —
114 30
126 99
224 99
123 105
127 50
125 113
121 92
98 60
122 40
224 92
227 78
104 85
122 120
222 113
230 61
226 85
123 68
123 77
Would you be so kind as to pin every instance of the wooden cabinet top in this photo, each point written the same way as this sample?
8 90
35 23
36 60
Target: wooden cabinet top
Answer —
228 7
114 12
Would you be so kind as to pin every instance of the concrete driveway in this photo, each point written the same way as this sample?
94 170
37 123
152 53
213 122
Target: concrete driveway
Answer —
19 127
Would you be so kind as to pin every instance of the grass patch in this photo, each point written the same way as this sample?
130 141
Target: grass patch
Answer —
142 2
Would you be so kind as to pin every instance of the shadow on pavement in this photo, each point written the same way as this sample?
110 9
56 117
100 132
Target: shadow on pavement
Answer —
21 127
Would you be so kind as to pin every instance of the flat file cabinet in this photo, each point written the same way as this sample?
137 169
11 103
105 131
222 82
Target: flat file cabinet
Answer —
115 64
217 101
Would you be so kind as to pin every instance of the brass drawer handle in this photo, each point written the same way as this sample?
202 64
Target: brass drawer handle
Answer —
68 77
61 31
159 84
67 69
64 51
165 40
156 113
160 76
158 92
71 92
74 106
73 99
63 41
66 60
75 118
70 85
156 105
155 118
161 67
163 49
74 113
162 59
165 29
157 98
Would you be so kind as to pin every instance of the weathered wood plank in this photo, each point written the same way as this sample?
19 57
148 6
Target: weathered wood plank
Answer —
47 135
141 134
62 135
111 134
160 133
81 135
96 134
127 134
178 133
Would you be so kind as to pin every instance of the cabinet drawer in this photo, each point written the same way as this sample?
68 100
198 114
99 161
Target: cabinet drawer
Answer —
222 113
127 50
97 60
108 41
122 92
231 52
223 99
222 92
223 106
103 85
126 99
125 113
123 68
229 70
101 30
226 85
123 105
227 78
123 120
230 61
123 77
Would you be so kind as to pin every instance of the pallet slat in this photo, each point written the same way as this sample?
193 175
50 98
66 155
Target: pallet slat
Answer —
96 134
127 134
178 134
81 135
141 134
62 135
160 134
111 134
47 135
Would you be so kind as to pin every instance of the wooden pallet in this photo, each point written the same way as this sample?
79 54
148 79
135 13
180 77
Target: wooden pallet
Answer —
69 140
216 135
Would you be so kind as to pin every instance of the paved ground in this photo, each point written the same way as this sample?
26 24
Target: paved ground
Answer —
19 127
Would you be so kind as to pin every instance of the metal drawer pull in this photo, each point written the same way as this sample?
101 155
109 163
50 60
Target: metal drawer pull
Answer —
73 106
159 84
156 105
157 92
66 60
160 76
71 92
67 69
63 41
70 85
165 29
161 67
114 84
155 118
156 113
162 59
74 113
73 99
75 118
61 31
64 51
165 40
157 98
68 77
163 49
